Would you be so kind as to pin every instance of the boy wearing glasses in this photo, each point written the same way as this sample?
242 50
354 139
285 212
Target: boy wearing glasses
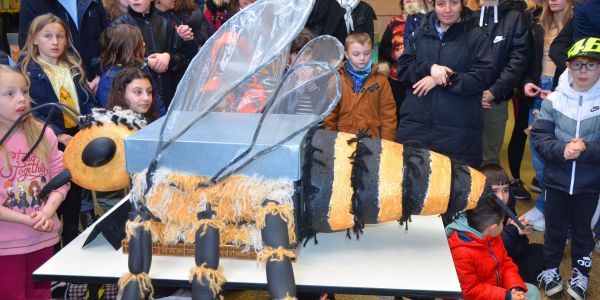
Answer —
567 137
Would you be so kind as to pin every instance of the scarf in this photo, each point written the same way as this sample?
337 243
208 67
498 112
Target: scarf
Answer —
62 83
358 77
349 6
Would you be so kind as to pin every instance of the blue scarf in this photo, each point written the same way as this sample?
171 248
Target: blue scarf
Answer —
358 77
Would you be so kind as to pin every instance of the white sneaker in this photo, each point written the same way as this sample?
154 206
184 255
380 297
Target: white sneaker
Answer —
539 225
535 218
533 214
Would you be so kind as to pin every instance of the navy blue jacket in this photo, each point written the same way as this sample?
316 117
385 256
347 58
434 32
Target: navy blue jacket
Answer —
41 92
586 20
449 119
91 18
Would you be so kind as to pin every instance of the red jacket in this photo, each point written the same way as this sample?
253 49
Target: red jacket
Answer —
484 269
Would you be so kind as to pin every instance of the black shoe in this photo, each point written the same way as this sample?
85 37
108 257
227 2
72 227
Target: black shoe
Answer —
535 186
551 282
87 218
58 289
518 190
578 284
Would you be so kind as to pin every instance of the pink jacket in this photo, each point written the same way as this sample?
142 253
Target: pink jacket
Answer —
20 184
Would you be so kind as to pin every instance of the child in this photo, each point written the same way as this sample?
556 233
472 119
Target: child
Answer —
26 238
566 137
527 256
122 46
56 73
367 102
132 89
484 269
162 46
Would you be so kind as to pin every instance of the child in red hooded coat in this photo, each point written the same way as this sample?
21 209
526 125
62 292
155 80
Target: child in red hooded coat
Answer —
484 269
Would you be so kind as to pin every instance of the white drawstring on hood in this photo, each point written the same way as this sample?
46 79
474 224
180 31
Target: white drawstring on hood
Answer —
482 14
349 6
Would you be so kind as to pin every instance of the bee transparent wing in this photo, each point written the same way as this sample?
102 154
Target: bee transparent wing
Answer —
325 49
310 91
250 47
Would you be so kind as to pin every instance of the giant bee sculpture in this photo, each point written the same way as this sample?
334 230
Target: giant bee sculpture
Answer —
346 180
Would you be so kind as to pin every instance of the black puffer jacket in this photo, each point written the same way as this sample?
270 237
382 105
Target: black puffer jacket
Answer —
448 119
363 16
159 37
510 44
327 17
559 48
536 54
196 21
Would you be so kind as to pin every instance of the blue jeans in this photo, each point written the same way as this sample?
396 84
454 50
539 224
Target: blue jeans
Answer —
538 163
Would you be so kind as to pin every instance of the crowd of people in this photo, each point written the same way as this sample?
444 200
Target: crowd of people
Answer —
448 70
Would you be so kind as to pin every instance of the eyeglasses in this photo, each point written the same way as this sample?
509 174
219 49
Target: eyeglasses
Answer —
590 66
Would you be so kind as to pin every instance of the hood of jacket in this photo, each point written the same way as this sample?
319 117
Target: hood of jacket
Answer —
565 83
461 224
507 5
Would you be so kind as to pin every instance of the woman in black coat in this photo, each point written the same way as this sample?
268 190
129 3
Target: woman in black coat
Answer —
446 66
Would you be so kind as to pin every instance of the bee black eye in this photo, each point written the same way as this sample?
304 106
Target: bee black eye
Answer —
99 152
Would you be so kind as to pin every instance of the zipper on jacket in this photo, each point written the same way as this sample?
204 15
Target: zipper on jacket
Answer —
572 185
497 263
435 91
154 49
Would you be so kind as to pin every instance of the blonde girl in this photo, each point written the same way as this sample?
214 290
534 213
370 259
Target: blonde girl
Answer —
27 238
56 73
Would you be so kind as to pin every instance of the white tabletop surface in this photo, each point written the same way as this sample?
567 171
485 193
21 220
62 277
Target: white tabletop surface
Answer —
386 260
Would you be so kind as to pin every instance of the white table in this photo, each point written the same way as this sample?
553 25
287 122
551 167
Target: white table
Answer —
386 260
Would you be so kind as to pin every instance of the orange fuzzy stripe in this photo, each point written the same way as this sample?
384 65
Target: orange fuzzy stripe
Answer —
390 181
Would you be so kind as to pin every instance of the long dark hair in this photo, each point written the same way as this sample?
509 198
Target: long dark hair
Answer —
119 85
122 45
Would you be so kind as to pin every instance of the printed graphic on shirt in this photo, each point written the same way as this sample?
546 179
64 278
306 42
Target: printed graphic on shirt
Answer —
22 182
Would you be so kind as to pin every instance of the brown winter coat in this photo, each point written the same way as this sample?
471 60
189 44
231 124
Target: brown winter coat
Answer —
373 109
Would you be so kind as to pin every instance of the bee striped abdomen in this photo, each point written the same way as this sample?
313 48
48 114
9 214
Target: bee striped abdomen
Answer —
395 182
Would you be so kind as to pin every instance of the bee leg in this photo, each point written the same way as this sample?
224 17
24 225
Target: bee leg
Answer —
277 254
136 284
206 278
